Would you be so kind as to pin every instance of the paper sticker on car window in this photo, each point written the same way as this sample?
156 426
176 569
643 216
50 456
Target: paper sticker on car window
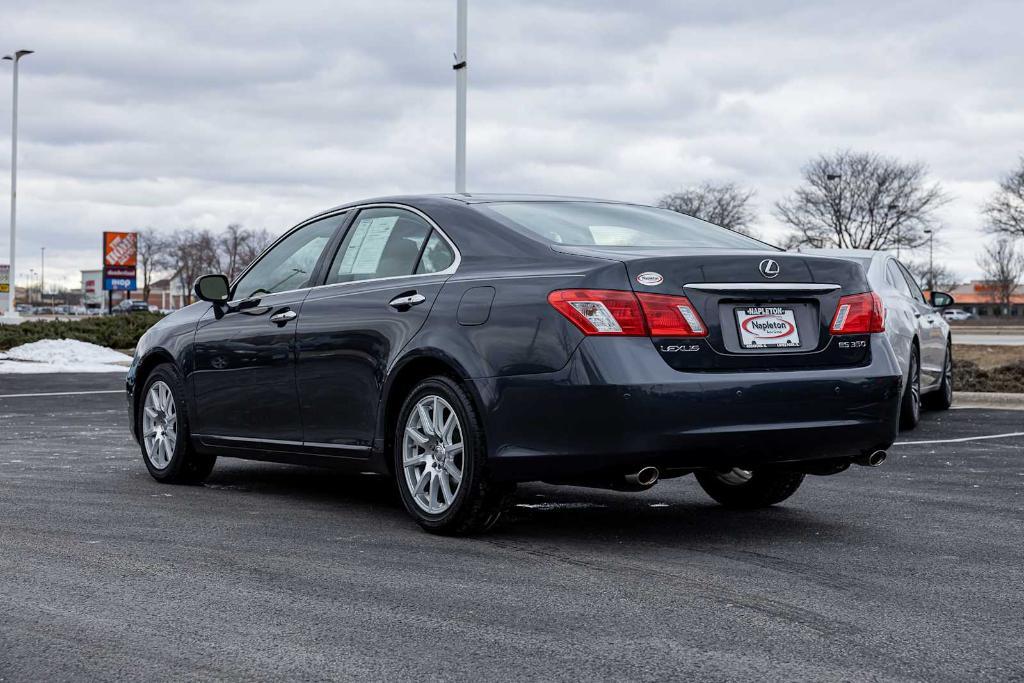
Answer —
369 238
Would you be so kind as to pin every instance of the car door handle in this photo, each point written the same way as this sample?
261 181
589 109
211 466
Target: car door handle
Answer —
404 302
283 317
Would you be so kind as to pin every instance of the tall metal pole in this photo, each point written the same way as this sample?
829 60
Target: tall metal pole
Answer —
42 274
461 74
15 58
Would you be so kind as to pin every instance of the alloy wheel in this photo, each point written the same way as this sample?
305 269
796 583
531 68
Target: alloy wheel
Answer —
432 454
735 476
159 424
947 377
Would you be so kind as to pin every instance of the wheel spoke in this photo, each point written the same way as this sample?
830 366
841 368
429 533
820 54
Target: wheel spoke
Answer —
426 424
438 411
414 460
454 449
416 436
433 500
446 490
421 483
453 472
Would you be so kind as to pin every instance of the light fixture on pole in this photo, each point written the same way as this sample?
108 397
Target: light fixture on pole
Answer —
461 74
15 58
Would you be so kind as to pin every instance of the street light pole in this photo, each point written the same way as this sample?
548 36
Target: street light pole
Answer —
461 74
931 260
42 274
15 58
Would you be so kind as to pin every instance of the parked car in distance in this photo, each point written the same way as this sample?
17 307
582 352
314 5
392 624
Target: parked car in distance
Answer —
463 343
24 309
132 306
956 314
917 331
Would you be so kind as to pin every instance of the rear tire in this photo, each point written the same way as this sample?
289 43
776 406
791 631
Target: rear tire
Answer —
440 461
942 398
749 489
910 406
162 423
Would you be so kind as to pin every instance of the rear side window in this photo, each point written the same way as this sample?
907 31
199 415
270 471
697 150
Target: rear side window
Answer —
437 255
620 225
380 243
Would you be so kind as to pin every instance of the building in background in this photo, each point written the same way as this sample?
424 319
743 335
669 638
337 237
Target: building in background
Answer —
92 289
979 297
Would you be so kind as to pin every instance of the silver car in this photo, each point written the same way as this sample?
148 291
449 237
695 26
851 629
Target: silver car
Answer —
916 329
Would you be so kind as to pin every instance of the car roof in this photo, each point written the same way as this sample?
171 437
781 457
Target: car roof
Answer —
470 198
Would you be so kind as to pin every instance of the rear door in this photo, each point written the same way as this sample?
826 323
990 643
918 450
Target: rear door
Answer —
244 375
930 330
378 289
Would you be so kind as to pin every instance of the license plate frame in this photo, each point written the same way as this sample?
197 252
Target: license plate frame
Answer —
767 327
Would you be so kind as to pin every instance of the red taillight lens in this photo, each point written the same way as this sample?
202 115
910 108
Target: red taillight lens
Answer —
859 314
671 316
600 311
607 311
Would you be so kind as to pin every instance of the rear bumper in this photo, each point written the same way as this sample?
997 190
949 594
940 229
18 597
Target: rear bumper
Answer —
617 406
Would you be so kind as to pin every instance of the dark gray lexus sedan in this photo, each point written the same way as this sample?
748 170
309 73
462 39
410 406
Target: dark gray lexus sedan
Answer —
463 343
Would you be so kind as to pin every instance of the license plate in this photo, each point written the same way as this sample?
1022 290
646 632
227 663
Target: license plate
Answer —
767 327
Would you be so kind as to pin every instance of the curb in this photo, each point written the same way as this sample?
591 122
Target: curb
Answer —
985 399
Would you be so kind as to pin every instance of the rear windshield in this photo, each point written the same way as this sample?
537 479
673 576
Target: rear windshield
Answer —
617 225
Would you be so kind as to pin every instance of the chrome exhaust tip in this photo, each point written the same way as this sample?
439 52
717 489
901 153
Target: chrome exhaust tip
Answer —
646 477
872 459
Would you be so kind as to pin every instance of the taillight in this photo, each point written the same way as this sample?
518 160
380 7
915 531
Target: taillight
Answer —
606 311
671 316
600 311
859 314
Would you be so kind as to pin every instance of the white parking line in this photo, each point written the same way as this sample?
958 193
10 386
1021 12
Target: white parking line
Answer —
961 440
64 393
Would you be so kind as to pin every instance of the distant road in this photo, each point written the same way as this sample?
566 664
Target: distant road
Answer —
1014 339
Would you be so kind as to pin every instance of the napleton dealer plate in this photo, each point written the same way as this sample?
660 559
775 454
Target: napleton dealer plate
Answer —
767 327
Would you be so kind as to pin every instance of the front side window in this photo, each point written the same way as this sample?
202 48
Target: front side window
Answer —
615 225
915 289
289 264
382 242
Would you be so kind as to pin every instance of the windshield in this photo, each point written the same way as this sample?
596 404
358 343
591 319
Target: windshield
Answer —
617 225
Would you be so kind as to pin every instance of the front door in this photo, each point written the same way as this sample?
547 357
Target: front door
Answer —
377 293
244 355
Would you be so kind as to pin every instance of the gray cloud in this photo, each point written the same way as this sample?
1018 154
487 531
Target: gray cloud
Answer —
205 113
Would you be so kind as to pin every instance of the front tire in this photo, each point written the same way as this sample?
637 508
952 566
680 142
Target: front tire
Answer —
910 406
749 489
440 461
163 429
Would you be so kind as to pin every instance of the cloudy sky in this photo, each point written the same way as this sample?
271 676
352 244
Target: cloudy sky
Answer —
200 114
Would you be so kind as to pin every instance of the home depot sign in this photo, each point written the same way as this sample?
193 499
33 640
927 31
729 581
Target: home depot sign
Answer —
120 251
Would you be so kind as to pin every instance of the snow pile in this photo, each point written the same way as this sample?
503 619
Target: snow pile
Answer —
62 355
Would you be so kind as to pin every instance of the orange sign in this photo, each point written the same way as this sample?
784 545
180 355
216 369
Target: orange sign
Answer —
119 248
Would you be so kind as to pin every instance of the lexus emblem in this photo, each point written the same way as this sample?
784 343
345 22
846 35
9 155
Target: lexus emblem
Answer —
769 268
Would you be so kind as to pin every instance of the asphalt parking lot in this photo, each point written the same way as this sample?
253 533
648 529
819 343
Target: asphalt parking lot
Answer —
912 571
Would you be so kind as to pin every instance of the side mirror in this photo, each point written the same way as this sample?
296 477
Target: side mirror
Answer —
940 299
213 288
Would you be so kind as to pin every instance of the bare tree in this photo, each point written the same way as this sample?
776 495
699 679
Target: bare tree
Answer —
192 253
724 204
861 201
151 257
937 276
1005 209
1003 266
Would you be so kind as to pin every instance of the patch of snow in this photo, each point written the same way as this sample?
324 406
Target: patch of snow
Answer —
62 355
